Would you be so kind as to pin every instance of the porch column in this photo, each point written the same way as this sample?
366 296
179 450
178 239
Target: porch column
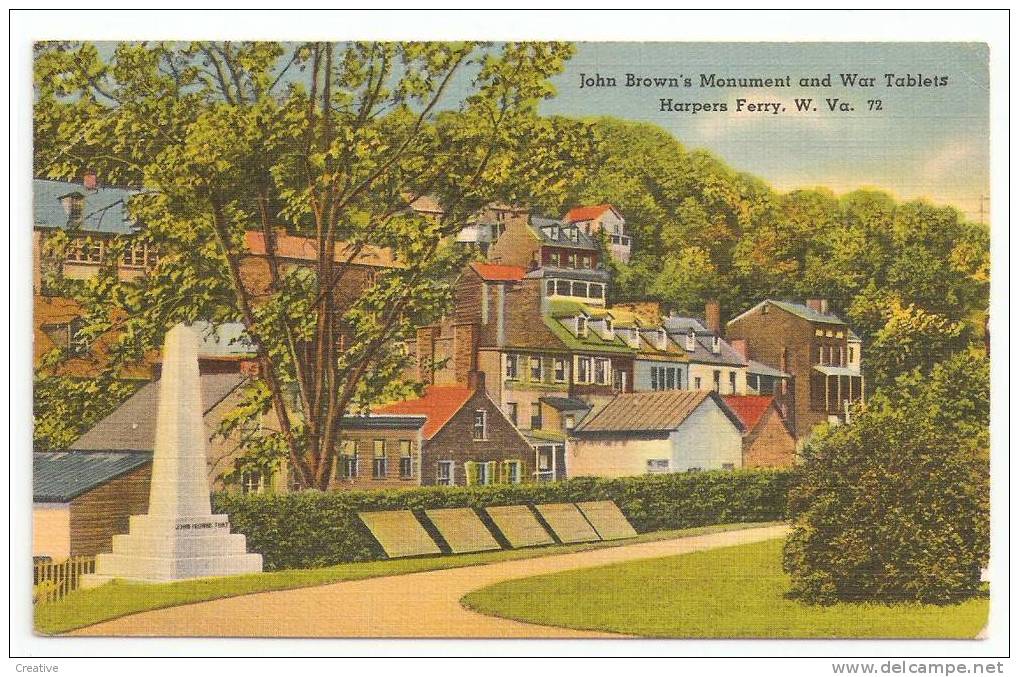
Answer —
553 463
826 394
838 392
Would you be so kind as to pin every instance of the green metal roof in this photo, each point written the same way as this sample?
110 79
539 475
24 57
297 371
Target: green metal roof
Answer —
592 342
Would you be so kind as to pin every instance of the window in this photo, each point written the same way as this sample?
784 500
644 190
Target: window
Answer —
694 468
596 291
511 366
444 473
550 288
819 332
585 262
571 260
563 287
581 326
483 475
535 416
480 425
717 377
691 340
583 370
513 472
559 371
406 460
570 421
579 289
851 354
511 412
697 383
536 368
252 482
838 334
379 459
670 379
654 378
85 250
601 371
608 326
732 382
554 259
657 465
347 467
728 466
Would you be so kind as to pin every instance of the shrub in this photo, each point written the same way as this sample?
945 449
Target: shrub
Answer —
894 507
313 529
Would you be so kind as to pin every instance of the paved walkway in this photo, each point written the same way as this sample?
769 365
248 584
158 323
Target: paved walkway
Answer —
424 604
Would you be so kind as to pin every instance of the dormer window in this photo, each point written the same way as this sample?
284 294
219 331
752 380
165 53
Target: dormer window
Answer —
691 340
662 339
716 344
581 326
608 325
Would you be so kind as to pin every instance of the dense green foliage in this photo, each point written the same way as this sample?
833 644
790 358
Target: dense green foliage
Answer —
735 592
910 277
895 506
313 528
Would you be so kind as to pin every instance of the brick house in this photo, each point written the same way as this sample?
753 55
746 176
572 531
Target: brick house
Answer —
767 442
541 242
597 219
815 348
466 439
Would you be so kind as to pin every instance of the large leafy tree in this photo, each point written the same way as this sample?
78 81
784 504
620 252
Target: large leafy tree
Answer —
329 142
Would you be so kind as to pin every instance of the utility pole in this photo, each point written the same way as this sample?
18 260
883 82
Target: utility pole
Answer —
983 199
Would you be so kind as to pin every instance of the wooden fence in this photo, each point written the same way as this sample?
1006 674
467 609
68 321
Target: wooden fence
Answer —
52 580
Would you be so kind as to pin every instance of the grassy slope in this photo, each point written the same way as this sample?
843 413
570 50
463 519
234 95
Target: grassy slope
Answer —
87 607
730 592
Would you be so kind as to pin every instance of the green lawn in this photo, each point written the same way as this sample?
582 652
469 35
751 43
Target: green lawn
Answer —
87 607
733 592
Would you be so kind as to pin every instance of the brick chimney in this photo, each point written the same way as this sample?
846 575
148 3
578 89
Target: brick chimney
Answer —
476 380
465 350
426 354
818 305
713 317
90 180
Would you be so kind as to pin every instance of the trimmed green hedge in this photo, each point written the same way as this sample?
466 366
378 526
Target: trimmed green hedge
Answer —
312 529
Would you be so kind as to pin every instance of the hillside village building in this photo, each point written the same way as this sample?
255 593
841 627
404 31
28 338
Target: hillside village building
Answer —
605 219
816 348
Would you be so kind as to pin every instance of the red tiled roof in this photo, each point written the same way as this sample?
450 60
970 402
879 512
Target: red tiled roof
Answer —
586 213
749 408
494 272
306 248
439 404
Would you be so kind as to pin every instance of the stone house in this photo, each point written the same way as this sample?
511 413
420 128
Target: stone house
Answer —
466 438
767 442
657 432
818 351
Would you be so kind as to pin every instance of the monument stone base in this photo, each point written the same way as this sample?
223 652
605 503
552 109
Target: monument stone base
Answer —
161 549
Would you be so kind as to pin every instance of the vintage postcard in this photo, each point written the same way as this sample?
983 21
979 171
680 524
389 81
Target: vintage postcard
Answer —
534 339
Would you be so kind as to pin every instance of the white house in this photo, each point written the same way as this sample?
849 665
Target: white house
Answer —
604 218
657 432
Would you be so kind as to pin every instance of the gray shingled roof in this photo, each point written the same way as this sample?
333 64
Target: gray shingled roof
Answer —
761 369
679 327
585 274
662 411
675 323
60 476
583 241
565 403
105 209
132 425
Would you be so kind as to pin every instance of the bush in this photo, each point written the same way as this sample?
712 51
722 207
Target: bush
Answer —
894 507
313 529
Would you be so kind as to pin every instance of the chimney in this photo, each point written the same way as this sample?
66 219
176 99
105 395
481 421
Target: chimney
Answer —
691 340
476 380
465 344
500 315
713 317
426 354
90 180
818 305
740 346
716 344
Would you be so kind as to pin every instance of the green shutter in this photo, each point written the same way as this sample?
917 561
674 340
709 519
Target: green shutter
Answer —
471 469
491 472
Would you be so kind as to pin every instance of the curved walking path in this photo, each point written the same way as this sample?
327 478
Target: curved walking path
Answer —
424 604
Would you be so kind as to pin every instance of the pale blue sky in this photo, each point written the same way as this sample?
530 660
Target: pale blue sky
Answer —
930 142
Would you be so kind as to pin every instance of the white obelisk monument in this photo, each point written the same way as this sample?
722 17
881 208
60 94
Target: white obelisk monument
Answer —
179 537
